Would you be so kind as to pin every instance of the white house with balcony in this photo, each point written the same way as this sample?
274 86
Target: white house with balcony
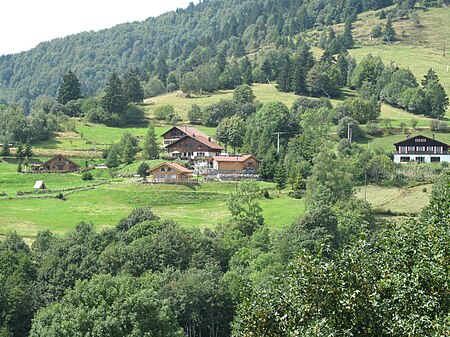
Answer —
421 149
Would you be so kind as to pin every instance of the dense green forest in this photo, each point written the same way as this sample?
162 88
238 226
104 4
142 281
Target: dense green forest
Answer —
168 46
334 272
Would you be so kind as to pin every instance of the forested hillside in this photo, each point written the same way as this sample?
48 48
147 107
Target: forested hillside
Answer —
170 45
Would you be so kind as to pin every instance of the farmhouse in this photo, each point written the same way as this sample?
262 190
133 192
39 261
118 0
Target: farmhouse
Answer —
57 164
421 149
169 173
187 141
245 164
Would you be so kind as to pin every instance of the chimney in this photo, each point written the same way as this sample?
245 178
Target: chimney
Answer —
193 135
407 136
209 138
434 136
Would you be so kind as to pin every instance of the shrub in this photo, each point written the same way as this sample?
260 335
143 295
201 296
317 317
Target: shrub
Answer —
87 176
165 112
373 129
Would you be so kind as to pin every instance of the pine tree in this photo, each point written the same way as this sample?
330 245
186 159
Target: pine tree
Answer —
300 67
132 88
114 100
389 32
299 183
112 160
347 38
5 151
280 176
284 74
28 152
19 151
437 99
430 76
69 89
142 169
246 71
151 147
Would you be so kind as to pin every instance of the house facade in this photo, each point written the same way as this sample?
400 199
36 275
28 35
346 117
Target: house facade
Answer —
421 149
245 163
187 141
169 173
58 164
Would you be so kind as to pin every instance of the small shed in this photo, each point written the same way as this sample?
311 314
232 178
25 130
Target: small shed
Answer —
40 185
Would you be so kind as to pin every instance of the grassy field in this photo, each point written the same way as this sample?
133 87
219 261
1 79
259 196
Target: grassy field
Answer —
400 200
263 92
197 205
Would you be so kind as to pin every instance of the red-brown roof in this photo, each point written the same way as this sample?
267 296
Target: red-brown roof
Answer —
188 130
59 156
233 159
175 166
203 140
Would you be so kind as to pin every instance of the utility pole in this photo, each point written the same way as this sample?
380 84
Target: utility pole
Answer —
349 132
365 186
278 140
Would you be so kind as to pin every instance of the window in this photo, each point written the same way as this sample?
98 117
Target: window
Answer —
403 149
430 148
163 169
200 154
60 167
405 159
435 159
169 169
439 149
421 148
420 159
411 148
421 140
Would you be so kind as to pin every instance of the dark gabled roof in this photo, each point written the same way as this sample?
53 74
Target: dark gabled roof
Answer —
175 166
428 140
233 159
188 130
203 140
60 156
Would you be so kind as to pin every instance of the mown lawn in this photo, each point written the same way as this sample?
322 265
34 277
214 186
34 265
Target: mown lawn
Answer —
199 205
402 200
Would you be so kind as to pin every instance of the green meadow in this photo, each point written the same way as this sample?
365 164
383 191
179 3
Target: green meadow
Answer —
192 205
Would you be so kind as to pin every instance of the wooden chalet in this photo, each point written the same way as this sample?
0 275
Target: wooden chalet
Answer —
421 149
58 164
186 141
247 163
169 173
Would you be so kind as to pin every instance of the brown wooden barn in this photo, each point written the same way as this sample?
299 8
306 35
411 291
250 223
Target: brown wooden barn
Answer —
58 164
169 173
246 163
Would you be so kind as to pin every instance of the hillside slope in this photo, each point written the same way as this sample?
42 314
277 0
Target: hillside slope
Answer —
177 41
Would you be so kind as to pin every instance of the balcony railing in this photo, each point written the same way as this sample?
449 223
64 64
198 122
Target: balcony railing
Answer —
421 152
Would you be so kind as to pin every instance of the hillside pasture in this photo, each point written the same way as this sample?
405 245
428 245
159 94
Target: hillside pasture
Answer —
264 93
193 205
397 200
